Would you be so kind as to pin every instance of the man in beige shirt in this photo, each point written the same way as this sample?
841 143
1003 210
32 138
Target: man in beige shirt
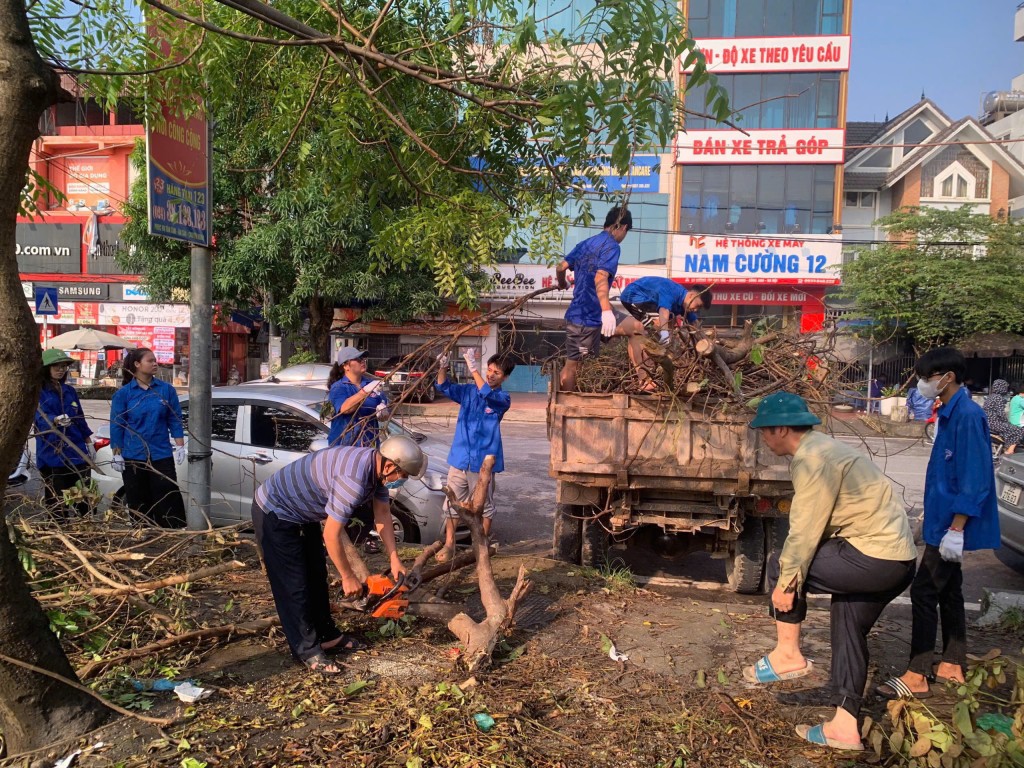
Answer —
848 537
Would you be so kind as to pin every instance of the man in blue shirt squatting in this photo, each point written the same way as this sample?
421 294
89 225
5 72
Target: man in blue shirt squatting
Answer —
327 487
666 298
959 514
589 317
482 405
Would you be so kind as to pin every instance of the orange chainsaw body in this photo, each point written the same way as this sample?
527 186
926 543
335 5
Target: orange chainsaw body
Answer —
396 605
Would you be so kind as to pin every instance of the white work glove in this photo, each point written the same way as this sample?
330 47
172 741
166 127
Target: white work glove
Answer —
117 463
382 409
951 548
179 454
442 361
470 357
608 323
663 336
371 388
63 420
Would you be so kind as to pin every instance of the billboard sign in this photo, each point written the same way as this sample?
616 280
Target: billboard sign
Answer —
761 146
179 184
777 259
732 55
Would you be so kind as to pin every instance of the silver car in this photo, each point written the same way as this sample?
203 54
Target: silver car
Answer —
1010 490
260 428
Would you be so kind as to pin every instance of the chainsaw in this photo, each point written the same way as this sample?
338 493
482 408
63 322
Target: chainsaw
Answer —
387 598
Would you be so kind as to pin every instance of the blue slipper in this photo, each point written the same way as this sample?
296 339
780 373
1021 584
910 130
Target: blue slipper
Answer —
763 673
815 734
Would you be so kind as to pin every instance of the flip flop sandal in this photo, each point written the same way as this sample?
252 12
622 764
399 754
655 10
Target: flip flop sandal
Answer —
346 644
815 734
763 672
320 664
894 688
445 554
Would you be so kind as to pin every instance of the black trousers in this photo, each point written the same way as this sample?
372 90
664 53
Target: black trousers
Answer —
151 489
296 563
937 592
861 587
56 480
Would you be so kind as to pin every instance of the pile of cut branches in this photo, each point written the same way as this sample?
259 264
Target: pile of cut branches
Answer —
702 366
116 591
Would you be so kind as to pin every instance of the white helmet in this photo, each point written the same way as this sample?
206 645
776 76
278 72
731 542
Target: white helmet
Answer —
406 455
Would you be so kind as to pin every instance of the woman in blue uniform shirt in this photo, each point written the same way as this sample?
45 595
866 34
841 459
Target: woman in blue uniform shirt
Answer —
62 436
145 417
358 401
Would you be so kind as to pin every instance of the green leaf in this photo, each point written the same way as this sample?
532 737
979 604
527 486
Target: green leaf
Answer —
425 722
355 687
757 355
702 679
962 717
191 762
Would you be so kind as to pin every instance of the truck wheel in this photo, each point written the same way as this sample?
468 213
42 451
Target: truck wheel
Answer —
776 529
568 542
745 569
596 540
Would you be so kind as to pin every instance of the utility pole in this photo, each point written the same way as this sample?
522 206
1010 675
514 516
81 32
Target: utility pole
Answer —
200 379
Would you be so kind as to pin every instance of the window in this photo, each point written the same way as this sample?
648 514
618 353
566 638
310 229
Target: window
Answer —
955 182
764 18
961 186
947 187
777 100
225 418
867 199
880 158
852 199
755 199
916 132
285 430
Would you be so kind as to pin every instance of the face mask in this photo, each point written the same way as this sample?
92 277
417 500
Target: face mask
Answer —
928 389
394 485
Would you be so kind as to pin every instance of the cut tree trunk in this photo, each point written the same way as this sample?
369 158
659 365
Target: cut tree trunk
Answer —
479 638
34 709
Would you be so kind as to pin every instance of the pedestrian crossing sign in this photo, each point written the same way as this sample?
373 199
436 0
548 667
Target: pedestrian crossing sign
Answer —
46 300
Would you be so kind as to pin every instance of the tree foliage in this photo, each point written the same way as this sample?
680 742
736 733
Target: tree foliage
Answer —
942 276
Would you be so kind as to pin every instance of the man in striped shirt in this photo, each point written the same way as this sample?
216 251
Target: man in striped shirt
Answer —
326 487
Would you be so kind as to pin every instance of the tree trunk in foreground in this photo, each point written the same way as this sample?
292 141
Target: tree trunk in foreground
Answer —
478 639
34 710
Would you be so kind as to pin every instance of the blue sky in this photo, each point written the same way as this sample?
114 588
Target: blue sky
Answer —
954 50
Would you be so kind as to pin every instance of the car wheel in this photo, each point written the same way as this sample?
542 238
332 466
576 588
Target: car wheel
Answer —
428 394
406 529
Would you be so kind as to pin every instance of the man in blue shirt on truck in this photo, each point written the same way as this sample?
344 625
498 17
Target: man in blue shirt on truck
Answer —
482 405
666 298
593 263
959 515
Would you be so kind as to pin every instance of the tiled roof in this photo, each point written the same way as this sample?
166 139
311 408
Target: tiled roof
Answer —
860 133
862 181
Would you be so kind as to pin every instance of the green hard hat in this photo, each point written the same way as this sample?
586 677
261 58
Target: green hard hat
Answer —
783 409
54 356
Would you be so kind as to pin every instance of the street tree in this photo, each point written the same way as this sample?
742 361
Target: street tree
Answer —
519 113
941 276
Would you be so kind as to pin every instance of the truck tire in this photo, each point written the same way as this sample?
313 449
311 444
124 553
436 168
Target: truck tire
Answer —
776 529
568 541
745 569
596 540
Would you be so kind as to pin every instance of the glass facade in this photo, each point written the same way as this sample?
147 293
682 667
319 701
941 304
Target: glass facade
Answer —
647 242
784 100
757 199
764 18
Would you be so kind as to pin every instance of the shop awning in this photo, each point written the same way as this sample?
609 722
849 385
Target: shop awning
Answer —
997 344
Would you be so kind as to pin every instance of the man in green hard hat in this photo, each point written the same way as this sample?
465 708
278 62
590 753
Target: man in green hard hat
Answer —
848 537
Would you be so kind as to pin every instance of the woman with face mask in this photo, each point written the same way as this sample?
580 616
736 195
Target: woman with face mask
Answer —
995 410
62 436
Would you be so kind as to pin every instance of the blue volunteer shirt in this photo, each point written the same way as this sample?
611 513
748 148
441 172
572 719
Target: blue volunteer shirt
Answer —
477 431
143 421
960 478
595 254
919 405
332 483
359 428
52 449
665 293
